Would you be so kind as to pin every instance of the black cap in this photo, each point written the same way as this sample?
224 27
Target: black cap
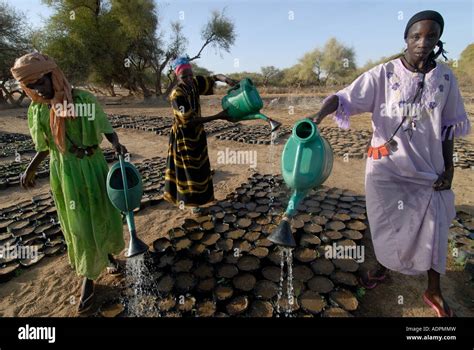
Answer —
424 15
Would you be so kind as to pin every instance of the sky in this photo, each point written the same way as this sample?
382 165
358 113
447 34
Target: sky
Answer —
278 33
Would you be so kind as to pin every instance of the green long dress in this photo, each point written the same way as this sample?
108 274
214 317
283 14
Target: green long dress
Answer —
92 227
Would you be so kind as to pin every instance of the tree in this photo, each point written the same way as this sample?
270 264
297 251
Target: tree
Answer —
290 76
334 63
310 67
138 21
105 42
219 32
384 59
338 61
87 41
465 66
14 43
108 42
256 78
162 57
198 70
271 75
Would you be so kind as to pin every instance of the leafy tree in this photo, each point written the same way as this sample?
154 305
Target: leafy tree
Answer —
109 42
384 59
198 70
87 41
271 75
334 63
218 32
14 42
338 61
465 66
256 78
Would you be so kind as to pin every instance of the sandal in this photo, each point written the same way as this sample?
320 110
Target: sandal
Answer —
114 268
367 285
85 305
445 311
197 210
372 281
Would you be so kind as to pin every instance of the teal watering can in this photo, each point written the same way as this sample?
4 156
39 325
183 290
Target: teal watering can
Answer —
243 102
125 190
306 162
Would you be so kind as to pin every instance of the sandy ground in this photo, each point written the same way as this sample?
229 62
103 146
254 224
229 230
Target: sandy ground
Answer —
52 289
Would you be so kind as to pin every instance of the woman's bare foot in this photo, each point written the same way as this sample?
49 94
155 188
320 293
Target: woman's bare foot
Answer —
114 266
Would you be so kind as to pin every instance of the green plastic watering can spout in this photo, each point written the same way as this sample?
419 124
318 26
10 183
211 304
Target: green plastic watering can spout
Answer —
136 246
294 202
274 125
258 116
282 235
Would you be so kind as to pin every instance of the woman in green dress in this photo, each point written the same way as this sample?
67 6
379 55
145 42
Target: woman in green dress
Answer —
92 227
188 177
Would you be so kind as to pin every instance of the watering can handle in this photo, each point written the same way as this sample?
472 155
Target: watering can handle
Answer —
124 180
235 87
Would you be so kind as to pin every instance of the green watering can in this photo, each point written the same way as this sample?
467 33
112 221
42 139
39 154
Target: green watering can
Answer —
306 162
125 190
243 102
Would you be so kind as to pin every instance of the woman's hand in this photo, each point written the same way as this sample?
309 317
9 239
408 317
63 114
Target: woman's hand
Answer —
444 180
222 78
231 82
120 149
329 106
318 118
27 179
114 140
224 115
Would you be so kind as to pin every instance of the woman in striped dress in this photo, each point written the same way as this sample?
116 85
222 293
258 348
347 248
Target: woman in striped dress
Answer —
188 178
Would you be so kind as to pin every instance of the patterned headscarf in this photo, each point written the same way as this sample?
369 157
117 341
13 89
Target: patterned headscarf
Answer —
180 64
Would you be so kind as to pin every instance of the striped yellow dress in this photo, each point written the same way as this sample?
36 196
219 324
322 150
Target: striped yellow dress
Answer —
188 179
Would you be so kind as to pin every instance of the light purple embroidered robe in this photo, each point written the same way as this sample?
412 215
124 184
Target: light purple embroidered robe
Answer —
408 219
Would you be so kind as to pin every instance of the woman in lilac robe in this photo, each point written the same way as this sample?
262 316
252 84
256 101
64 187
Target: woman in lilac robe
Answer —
410 204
